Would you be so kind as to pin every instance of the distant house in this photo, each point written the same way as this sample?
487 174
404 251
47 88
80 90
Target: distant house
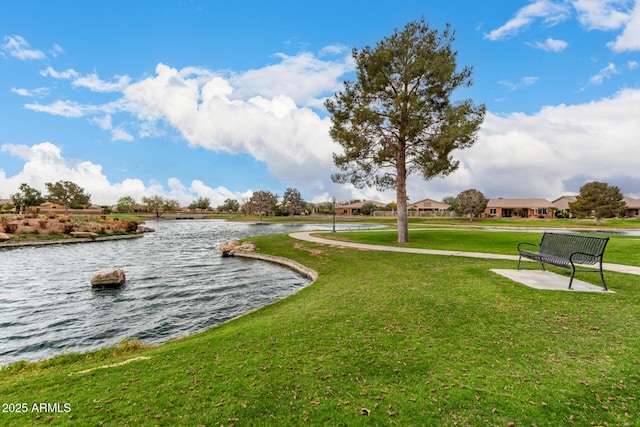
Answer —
521 208
356 208
562 204
6 202
428 207
633 207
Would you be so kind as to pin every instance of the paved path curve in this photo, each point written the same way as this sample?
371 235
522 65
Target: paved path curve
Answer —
306 236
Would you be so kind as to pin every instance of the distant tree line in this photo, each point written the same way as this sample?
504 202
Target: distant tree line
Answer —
596 199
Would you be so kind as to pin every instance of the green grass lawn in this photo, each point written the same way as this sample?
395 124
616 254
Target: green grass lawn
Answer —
620 249
379 339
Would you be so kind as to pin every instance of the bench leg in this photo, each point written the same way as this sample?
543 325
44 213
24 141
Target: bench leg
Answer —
604 285
519 258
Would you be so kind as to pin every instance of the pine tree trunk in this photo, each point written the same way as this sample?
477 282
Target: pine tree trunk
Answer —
401 195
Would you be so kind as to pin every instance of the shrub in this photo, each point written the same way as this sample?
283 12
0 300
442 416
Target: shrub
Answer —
43 223
67 228
7 226
131 226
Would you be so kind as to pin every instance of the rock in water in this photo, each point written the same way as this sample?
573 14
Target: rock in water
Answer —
112 277
145 229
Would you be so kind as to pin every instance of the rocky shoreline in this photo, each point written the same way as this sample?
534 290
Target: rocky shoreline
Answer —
247 250
70 241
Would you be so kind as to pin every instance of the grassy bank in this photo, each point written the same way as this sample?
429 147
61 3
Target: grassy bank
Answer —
380 338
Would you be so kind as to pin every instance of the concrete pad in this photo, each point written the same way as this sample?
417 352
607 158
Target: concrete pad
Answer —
546 280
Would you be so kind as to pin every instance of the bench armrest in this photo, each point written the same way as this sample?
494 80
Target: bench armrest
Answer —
594 257
527 243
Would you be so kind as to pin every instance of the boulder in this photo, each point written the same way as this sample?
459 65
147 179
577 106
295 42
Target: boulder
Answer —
112 277
4 237
145 229
234 246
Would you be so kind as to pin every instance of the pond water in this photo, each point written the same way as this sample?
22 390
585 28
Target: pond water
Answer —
177 284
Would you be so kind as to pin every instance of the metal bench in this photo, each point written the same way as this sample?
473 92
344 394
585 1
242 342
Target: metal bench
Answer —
565 251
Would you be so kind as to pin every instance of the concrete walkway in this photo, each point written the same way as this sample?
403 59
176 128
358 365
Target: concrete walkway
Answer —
531 278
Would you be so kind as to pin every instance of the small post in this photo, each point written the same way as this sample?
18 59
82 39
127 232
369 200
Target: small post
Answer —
334 214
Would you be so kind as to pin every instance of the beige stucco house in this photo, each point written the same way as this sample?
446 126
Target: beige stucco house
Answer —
523 208
427 207
355 208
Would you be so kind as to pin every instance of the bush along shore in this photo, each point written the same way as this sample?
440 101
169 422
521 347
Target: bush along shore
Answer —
27 229
379 338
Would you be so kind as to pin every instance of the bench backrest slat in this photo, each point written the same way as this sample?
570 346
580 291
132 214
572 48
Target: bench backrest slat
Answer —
563 245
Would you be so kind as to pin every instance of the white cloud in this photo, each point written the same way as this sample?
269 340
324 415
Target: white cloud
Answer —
66 75
633 65
539 155
602 14
62 108
302 78
629 40
293 141
56 50
90 81
31 93
120 134
103 123
525 81
95 84
18 47
44 163
551 45
117 134
604 73
549 12
332 50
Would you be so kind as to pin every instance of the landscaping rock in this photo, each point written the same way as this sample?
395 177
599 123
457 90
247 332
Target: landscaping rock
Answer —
145 229
233 246
4 237
112 277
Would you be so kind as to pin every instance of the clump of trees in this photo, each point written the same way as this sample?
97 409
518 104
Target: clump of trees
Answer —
470 202
160 205
27 196
68 194
600 200
262 202
203 203
126 204
398 118
229 206
292 202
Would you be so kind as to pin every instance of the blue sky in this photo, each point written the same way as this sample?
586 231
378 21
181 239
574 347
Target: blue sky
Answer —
215 99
